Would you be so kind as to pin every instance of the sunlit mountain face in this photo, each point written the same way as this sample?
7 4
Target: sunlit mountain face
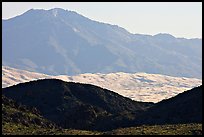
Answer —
62 42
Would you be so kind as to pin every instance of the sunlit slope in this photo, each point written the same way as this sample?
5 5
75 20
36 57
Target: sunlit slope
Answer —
139 86
64 42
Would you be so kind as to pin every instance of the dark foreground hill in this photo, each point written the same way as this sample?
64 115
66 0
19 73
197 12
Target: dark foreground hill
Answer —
186 107
86 107
78 106
18 119
13 112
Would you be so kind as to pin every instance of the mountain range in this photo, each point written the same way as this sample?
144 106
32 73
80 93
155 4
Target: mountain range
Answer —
62 42
138 86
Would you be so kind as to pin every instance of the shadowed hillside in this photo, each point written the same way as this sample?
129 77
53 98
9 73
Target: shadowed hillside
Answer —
18 119
15 116
186 107
53 106
74 105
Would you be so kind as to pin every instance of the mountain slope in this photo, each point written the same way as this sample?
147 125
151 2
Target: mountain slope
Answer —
139 86
83 106
17 116
58 41
174 129
18 119
186 107
33 124
78 106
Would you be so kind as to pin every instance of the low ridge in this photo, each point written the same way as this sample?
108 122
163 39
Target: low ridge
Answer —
75 105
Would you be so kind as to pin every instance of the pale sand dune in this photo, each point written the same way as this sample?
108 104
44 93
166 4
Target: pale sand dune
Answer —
139 86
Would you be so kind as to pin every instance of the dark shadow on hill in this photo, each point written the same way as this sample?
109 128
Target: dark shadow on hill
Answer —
77 106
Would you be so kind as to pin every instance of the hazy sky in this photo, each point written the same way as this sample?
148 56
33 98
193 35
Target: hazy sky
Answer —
181 19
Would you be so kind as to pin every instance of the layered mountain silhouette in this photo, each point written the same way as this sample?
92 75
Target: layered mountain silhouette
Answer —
59 41
88 107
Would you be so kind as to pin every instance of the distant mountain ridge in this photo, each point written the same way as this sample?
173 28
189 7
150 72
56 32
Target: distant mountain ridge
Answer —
139 86
59 42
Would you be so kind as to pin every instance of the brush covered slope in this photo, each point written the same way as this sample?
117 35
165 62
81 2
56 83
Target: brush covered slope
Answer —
18 119
78 106
21 119
167 129
87 107
186 107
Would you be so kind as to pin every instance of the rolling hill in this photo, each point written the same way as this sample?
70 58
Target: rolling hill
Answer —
74 105
56 105
32 123
186 107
